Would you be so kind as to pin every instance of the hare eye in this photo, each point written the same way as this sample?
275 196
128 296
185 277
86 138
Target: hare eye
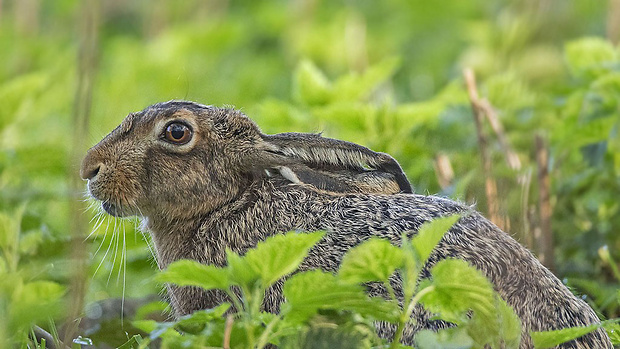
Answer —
178 133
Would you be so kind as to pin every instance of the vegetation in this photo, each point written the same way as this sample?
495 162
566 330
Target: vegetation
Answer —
531 137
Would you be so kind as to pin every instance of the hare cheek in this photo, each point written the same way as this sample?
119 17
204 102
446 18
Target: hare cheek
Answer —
95 190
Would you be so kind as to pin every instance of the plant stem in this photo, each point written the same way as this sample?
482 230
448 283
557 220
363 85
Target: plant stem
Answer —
227 332
390 290
407 314
235 300
262 341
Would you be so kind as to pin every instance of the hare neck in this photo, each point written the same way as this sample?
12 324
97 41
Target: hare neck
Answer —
265 208
172 238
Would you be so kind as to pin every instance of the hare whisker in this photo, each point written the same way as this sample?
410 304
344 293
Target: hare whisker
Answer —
115 238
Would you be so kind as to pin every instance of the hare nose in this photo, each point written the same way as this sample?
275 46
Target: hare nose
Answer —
89 172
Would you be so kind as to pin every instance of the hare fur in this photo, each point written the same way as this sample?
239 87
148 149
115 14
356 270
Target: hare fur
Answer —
205 179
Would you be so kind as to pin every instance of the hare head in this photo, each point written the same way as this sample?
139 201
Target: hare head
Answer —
181 159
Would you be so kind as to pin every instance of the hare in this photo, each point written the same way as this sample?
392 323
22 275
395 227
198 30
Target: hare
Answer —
205 179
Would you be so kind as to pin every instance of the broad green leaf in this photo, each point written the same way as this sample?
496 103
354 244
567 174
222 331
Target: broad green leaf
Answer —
373 260
196 322
38 292
327 336
458 287
156 329
30 242
33 301
502 328
411 269
204 316
450 338
311 87
356 86
310 291
280 255
588 56
613 331
10 230
239 271
192 273
510 324
508 92
430 234
549 339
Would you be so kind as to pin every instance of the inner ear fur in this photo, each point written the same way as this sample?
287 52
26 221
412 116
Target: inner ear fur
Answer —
334 165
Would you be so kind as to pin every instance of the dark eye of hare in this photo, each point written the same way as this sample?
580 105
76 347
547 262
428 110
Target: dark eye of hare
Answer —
178 133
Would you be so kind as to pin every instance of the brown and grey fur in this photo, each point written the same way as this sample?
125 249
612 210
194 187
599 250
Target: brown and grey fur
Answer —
232 186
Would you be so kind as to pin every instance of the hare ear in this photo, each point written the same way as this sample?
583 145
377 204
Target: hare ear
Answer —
334 165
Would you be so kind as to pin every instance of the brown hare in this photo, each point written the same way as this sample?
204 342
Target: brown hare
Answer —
205 179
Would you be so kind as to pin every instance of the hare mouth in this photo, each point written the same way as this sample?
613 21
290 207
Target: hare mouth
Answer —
112 209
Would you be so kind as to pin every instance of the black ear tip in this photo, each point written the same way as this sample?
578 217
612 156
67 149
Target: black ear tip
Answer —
405 187
403 183
391 166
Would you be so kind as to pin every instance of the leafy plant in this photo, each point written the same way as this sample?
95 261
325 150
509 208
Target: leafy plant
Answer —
323 309
23 301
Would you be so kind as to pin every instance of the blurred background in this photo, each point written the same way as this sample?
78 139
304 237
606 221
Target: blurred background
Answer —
533 142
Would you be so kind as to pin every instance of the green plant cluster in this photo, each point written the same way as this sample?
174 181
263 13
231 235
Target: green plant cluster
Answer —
324 310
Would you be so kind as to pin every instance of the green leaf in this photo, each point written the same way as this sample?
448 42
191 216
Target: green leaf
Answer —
311 87
588 56
411 269
192 273
458 287
549 339
450 338
327 336
145 325
310 291
201 317
355 86
239 271
501 329
373 260
430 234
280 255
613 331
509 324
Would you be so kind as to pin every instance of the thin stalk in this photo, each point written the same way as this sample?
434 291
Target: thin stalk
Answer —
227 331
390 290
264 338
236 302
247 315
407 314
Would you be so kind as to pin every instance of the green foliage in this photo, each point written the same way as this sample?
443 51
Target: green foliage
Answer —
374 260
270 261
309 292
591 57
550 339
456 288
324 310
327 310
192 273
430 234
23 301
